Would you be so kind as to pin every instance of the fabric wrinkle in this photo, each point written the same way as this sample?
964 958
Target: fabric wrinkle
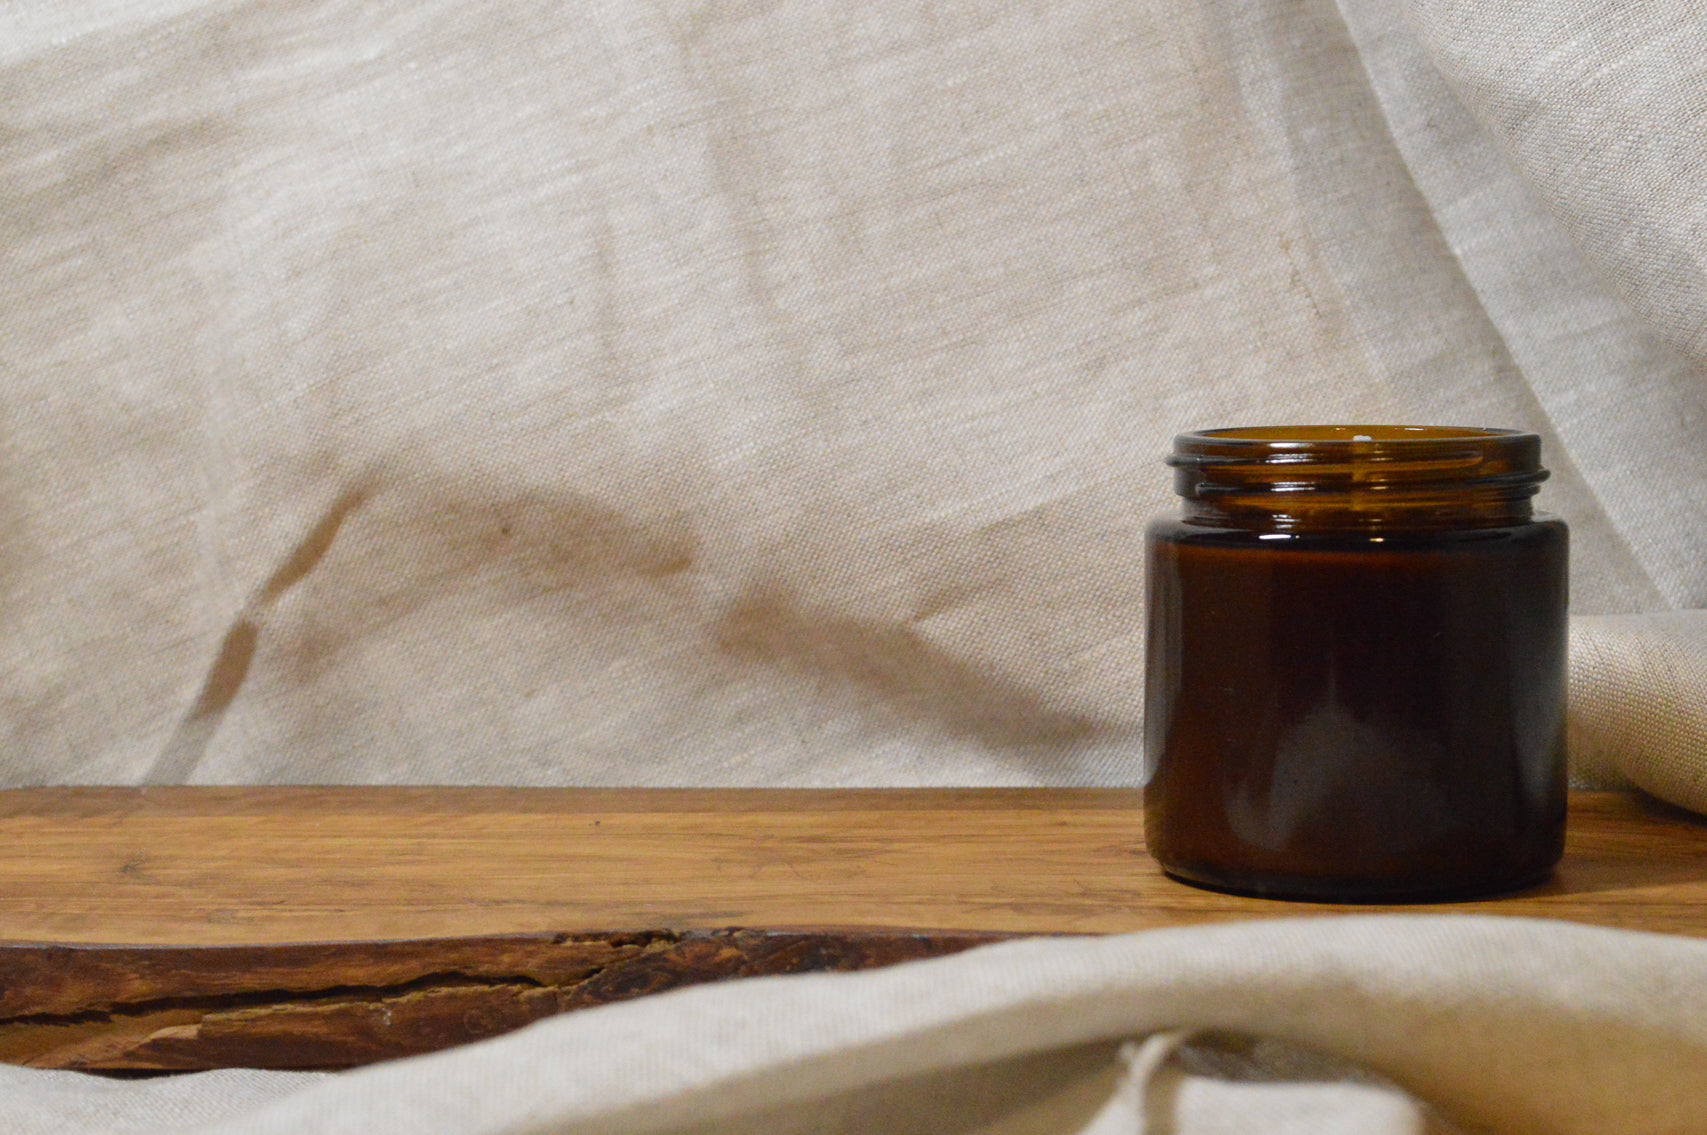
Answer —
185 749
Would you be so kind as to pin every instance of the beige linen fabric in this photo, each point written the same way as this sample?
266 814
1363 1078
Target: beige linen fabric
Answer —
1600 105
1383 1024
663 394
1640 717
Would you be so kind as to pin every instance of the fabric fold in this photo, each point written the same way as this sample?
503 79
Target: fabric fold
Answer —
1636 711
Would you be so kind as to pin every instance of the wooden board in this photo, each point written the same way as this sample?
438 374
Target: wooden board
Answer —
178 928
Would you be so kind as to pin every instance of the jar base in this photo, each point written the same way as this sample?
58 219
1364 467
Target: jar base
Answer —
1297 888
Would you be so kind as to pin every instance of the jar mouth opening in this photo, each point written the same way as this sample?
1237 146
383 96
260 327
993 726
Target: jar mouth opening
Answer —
1324 447
1314 435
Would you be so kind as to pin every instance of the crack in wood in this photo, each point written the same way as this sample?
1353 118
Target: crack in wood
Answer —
225 1017
40 980
272 998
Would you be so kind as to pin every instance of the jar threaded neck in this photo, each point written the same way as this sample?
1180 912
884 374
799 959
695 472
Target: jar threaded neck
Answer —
1369 477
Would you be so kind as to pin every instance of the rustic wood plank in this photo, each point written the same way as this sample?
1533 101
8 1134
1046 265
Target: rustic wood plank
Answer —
170 928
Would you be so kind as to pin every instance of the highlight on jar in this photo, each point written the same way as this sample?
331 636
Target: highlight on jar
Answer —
1355 665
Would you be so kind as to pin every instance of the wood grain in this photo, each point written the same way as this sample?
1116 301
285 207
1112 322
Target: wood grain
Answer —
172 928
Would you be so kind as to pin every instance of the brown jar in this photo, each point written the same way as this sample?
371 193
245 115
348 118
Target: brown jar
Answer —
1355 682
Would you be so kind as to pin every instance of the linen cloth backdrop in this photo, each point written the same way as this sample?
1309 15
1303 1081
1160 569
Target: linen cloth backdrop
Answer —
773 394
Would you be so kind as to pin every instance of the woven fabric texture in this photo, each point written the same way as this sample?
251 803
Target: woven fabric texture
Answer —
720 395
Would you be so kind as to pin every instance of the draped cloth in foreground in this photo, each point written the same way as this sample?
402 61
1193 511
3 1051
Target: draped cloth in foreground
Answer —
1377 1025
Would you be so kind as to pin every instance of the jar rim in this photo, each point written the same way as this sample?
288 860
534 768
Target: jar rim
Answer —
1300 436
1438 447
1372 474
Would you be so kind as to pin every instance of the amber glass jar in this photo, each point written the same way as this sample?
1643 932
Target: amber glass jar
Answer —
1355 678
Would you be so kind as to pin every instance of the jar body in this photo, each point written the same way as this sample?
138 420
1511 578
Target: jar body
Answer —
1356 714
